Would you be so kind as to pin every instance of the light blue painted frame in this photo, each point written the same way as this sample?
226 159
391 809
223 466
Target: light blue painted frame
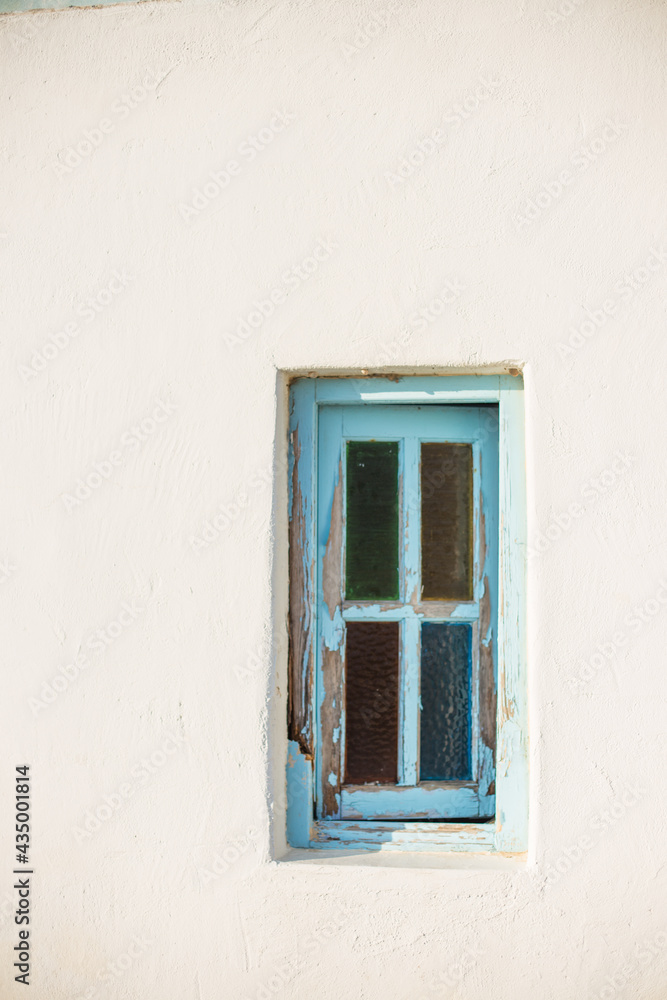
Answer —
509 832
410 425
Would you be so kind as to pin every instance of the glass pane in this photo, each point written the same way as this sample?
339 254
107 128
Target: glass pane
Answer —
371 702
371 556
446 491
445 702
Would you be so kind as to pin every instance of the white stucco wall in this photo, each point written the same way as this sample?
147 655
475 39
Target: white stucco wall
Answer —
202 655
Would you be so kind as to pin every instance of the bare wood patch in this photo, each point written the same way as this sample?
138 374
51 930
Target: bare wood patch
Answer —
331 711
488 697
330 720
300 617
488 701
331 566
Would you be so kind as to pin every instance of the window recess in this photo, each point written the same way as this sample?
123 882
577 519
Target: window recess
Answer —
397 645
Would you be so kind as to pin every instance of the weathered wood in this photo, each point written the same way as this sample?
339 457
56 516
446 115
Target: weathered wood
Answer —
488 697
301 569
306 704
332 644
443 800
402 836
512 748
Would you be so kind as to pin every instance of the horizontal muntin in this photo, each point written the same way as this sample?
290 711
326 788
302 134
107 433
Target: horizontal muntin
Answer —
461 611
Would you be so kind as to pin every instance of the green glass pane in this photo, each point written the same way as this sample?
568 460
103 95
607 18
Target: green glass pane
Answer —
371 554
447 507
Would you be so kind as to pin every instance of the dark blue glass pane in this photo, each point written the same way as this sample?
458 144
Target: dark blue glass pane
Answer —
445 693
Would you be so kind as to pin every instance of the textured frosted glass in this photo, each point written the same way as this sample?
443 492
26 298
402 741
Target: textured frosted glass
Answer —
371 555
445 693
371 702
446 491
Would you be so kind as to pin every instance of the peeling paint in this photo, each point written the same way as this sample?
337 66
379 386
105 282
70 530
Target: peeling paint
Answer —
375 804
301 595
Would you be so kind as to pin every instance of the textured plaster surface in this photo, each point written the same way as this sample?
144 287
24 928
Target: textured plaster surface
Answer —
536 218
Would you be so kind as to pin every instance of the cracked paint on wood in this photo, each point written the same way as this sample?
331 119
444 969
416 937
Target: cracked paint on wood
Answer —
301 570
510 784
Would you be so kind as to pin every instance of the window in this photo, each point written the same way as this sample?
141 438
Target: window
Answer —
406 614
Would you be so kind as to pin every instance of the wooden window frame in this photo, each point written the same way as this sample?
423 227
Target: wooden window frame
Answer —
409 798
507 832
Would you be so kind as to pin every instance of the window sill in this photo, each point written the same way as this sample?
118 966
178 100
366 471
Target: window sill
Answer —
377 835
404 859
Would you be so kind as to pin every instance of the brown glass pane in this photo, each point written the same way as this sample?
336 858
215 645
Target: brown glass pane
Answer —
446 498
371 702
